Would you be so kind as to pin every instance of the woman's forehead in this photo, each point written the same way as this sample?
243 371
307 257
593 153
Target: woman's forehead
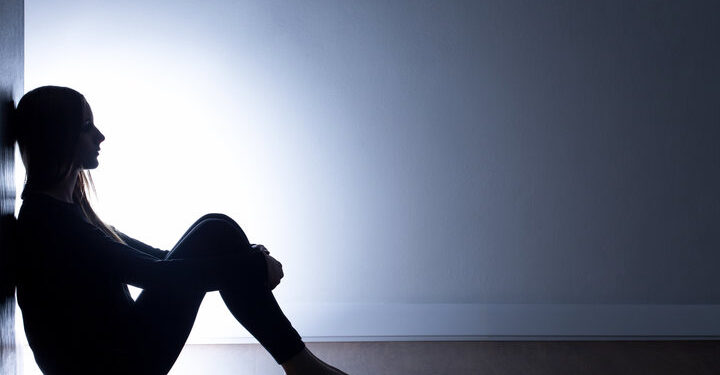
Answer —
87 112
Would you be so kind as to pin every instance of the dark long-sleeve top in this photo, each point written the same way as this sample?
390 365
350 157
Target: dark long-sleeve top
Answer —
72 278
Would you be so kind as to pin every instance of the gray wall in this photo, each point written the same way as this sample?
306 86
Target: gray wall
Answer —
11 86
426 152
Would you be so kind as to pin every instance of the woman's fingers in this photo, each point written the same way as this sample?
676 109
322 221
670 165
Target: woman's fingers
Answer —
275 272
261 248
274 268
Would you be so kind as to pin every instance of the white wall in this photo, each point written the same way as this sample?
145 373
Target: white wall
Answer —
407 156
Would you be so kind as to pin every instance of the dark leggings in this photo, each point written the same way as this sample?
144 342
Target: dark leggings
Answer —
166 317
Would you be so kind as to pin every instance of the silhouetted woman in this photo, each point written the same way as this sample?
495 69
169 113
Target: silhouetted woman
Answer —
74 269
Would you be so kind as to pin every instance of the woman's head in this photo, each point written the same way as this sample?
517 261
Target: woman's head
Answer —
56 135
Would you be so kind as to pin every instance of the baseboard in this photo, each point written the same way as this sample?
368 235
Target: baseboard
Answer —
341 322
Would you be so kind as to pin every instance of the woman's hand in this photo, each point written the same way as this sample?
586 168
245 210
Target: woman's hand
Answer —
261 248
274 268
274 271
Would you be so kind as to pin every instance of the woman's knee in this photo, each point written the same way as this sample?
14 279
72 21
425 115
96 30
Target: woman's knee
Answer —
212 236
217 216
217 228
214 217
210 216
220 231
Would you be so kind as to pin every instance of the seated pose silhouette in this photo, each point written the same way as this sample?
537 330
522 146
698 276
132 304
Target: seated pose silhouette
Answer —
73 269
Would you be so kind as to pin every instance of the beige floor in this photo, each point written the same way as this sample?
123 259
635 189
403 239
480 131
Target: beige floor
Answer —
457 358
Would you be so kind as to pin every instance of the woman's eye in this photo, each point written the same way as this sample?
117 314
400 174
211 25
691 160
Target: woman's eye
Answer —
87 126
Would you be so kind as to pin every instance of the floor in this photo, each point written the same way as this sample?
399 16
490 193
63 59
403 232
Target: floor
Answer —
481 357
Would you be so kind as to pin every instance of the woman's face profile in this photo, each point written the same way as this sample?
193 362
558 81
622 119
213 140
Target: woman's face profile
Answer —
88 145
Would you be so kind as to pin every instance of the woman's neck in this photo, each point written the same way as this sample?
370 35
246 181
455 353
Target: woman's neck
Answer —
63 190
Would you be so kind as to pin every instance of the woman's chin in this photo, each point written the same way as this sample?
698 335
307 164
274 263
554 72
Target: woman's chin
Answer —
91 164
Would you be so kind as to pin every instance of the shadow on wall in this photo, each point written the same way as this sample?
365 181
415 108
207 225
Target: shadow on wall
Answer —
7 224
11 87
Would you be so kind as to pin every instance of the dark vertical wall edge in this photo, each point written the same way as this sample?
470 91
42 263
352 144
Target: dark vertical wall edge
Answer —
11 88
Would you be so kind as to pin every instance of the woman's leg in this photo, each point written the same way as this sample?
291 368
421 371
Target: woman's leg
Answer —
217 216
167 318
254 306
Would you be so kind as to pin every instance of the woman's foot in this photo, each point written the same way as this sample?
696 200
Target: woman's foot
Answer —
306 363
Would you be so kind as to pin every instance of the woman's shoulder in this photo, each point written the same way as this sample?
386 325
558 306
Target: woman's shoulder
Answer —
43 224
41 209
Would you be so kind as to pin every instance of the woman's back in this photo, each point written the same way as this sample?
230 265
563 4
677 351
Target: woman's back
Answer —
70 317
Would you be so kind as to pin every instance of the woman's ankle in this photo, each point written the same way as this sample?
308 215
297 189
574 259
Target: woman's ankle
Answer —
300 361
305 362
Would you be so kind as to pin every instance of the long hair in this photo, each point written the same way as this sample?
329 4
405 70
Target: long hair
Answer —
47 126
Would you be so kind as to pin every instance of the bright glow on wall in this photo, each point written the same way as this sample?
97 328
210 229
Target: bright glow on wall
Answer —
317 136
195 124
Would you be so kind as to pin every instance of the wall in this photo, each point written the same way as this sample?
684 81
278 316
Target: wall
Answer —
421 168
11 86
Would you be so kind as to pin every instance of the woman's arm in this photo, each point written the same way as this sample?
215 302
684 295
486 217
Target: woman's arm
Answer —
95 252
139 245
